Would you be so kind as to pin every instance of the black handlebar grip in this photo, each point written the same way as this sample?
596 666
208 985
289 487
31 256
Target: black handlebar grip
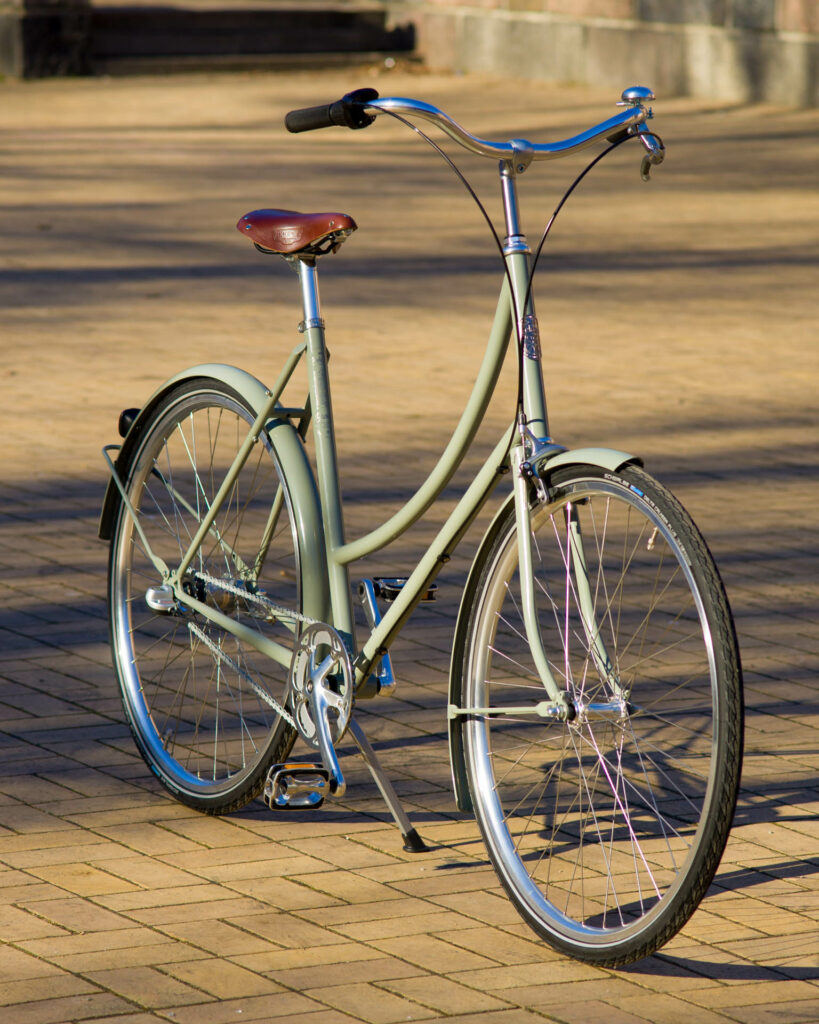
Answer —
309 118
347 112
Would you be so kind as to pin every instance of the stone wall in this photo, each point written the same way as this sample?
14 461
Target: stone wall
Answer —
733 50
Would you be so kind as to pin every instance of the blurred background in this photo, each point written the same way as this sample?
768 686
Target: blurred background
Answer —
734 50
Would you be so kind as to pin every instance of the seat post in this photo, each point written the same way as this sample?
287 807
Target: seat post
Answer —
326 455
311 304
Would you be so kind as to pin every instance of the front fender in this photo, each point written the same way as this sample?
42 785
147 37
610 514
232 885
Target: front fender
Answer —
292 459
605 458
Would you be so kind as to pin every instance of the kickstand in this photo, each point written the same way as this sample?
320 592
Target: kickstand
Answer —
413 843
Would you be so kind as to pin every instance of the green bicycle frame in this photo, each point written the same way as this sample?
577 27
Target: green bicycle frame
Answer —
514 316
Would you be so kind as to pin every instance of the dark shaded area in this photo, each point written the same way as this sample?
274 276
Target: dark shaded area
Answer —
69 508
74 37
662 964
72 286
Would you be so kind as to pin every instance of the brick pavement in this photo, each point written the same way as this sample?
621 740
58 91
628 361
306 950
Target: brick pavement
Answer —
680 318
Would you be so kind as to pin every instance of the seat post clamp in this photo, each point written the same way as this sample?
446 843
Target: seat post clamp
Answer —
307 325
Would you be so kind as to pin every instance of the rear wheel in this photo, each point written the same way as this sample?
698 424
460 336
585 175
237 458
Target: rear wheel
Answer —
206 709
606 830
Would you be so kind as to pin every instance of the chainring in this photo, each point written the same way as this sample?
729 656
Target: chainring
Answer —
321 675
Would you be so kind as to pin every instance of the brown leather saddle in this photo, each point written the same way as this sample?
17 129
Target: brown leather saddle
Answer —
289 233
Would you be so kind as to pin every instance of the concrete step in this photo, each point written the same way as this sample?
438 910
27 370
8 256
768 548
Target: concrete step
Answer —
78 37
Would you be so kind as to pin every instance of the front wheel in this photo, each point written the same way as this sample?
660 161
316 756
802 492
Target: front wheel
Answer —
605 830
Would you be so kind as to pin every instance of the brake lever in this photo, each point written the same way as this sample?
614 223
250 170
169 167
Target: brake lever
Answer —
654 155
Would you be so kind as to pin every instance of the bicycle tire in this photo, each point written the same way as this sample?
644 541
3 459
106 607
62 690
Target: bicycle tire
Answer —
202 704
605 831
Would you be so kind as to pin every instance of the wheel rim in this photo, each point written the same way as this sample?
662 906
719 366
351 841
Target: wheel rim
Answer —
202 703
595 825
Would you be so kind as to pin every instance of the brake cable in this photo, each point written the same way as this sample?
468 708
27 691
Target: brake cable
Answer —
519 417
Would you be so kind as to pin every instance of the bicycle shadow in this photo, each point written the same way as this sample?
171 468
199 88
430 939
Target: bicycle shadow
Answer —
669 965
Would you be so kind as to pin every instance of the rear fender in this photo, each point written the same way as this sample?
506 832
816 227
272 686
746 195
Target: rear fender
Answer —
292 458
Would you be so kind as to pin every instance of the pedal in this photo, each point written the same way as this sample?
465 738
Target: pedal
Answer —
296 786
389 587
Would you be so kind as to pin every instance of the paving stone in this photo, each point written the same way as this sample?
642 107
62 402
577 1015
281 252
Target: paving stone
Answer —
77 914
128 1018
347 972
433 953
444 996
175 895
489 907
221 907
17 925
218 937
147 872
371 1004
282 1006
501 947
344 852
82 879
575 1013
314 956
799 1012
222 979
15 993
56 949
282 893
16 965
668 1008
268 868
147 987
418 924
288 930
779 993
96 1006
497 979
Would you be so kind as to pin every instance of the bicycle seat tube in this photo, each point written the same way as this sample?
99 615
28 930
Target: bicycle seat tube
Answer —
326 454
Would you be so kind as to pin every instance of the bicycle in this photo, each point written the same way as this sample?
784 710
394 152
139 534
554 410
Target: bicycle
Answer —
595 708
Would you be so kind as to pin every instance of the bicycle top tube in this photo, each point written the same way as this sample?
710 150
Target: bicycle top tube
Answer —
636 114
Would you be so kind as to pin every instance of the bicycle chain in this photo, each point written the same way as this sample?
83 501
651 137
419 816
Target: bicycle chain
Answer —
258 690
278 610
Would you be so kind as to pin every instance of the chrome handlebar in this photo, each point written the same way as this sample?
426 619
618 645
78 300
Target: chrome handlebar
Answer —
521 152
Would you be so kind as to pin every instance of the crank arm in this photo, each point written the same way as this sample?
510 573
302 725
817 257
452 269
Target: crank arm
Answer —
320 704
